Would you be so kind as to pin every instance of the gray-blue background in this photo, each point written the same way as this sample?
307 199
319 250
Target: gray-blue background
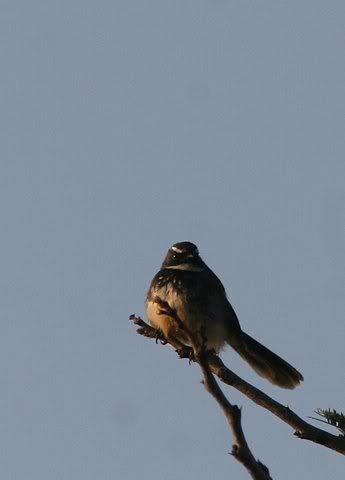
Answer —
127 126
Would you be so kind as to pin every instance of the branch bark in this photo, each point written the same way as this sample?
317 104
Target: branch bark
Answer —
302 429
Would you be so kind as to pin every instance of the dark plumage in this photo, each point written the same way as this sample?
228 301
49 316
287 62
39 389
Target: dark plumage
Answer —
197 295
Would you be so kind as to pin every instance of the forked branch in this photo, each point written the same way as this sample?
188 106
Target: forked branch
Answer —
302 429
240 448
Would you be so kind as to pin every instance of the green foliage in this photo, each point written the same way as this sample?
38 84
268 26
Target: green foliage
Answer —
332 417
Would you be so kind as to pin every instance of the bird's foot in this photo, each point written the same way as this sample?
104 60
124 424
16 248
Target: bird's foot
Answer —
186 352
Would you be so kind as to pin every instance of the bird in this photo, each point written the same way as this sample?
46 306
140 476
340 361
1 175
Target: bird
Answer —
187 286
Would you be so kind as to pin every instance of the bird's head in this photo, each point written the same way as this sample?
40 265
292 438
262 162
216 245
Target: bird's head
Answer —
183 256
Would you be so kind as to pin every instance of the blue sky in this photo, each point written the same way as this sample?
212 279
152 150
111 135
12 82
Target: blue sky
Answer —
127 126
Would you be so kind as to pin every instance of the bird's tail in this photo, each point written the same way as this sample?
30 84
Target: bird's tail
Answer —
266 363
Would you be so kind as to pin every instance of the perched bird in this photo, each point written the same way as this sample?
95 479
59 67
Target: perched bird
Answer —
189 287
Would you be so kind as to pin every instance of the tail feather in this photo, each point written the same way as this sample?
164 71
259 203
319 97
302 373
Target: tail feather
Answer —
266 363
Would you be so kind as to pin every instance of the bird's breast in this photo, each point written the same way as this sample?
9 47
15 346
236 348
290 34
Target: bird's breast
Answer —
168 288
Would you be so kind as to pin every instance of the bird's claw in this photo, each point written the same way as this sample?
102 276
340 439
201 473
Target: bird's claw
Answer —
186 352
160 338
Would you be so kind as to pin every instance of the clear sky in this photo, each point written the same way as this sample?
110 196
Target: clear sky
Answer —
127 126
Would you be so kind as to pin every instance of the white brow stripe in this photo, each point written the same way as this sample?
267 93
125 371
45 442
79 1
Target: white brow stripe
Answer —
177 250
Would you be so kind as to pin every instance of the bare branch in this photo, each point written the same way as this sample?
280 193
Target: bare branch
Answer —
240 448
303 429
